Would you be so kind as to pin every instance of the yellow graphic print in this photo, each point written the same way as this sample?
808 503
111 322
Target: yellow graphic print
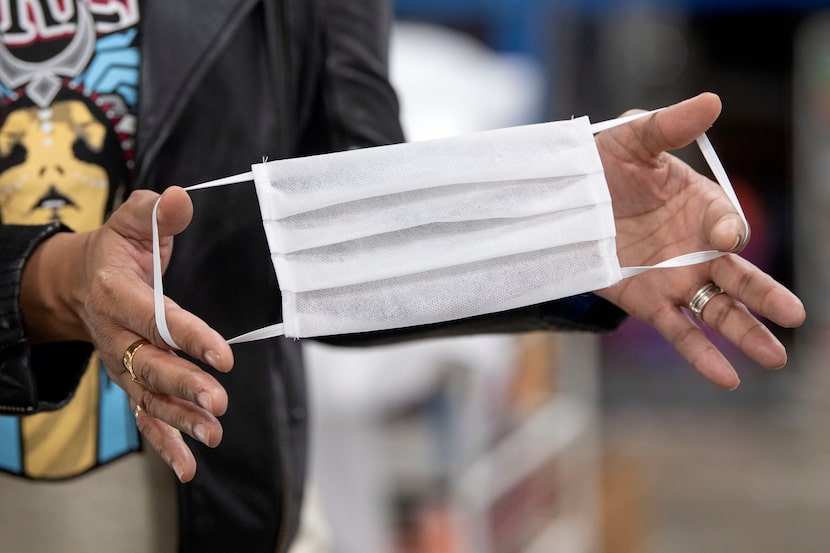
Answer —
52 184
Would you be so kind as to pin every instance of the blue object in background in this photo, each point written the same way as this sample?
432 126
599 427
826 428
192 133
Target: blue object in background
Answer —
516 25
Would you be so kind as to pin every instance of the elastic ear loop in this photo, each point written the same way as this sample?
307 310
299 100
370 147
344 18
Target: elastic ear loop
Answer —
275 330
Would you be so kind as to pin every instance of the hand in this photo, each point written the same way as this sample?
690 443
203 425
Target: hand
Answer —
663 208
105 296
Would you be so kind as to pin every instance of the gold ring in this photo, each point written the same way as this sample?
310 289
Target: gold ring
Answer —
702 297
127 358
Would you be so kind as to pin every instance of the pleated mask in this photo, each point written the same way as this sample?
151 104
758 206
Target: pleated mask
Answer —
427 232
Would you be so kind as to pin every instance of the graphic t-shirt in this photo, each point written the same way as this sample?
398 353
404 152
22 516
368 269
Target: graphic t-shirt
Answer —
68 103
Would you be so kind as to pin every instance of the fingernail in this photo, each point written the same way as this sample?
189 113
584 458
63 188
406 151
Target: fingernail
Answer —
178 470
737 243
205 401
202 433
211 357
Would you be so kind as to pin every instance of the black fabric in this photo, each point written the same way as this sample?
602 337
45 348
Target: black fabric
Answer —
585 312
251 80
236 501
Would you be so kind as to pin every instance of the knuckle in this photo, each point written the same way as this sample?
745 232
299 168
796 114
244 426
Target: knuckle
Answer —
173 419
138 195
146 375
654 317
148 401
190 387
102 287
722 313
745 283
685 336
150 329
753 330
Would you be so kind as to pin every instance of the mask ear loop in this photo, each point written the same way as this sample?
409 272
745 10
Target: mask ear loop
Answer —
722 179
158 290
158 286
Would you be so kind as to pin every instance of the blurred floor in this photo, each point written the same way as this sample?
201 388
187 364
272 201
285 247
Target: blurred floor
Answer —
732 479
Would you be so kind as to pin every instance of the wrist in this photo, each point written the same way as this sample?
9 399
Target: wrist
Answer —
52 289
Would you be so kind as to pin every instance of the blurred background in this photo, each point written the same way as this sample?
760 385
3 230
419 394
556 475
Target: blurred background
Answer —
575 443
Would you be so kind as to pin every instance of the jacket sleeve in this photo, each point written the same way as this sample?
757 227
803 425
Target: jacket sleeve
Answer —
583 313
354 103
361 109
32 378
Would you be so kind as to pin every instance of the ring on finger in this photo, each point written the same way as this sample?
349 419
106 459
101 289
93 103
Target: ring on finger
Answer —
702 297
129 354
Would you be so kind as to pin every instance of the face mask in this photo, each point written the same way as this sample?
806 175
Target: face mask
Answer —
426 232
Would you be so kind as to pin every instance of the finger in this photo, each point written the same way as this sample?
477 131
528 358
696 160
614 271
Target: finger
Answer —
163 373
678 125
723 228
691 342
179 414
758 291
182 415
134 218
193 335
168 443
731 319
175 211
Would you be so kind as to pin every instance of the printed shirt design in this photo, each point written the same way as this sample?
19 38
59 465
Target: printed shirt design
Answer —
68 104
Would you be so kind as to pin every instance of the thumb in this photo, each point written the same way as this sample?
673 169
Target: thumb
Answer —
133 219
678 125
175 211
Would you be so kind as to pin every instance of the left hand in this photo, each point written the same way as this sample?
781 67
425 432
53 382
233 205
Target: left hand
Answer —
663 208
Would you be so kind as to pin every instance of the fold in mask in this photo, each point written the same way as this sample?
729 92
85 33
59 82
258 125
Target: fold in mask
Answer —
433 231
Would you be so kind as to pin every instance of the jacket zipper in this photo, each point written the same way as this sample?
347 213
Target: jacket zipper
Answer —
16 410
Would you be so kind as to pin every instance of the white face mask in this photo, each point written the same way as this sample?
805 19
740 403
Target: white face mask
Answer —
426 232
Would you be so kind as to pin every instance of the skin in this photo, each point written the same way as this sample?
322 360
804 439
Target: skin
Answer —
662 208
107 300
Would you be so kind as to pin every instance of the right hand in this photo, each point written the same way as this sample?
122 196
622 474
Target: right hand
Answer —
105 296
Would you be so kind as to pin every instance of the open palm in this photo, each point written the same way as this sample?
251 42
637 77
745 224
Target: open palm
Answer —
663 208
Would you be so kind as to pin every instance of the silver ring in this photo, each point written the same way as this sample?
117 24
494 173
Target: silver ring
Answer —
702 297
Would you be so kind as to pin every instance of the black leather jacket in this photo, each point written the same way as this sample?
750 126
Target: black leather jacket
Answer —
222 85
